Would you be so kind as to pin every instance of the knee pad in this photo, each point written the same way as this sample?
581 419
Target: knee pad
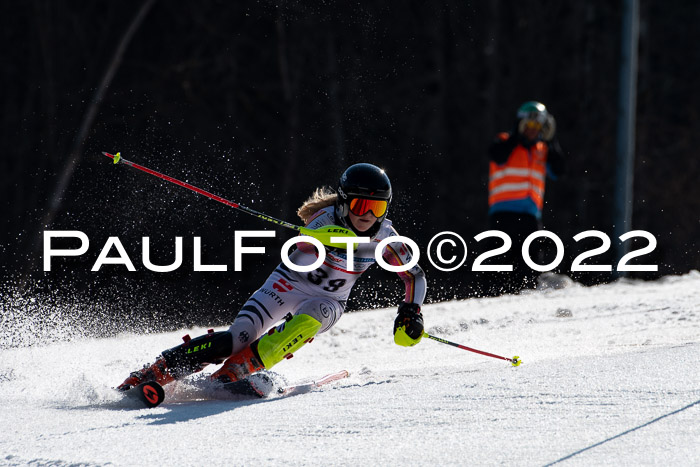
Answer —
283 341
324 310
195 354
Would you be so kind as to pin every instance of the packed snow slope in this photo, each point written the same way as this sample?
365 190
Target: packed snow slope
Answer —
609 377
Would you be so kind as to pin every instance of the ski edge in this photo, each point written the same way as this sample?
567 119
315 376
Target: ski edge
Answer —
305 387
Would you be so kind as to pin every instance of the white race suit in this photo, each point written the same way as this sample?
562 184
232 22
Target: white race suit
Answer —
321 293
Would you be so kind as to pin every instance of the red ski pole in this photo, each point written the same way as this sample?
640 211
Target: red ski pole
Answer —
515 361
323 234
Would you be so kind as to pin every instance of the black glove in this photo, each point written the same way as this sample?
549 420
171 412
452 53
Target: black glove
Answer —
408 325
502 146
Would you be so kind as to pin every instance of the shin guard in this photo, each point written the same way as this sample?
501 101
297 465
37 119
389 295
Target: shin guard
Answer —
283 341
195 354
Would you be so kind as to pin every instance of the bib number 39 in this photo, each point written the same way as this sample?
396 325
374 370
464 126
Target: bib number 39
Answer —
319 276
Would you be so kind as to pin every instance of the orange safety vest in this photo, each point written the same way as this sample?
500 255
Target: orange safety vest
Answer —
522 176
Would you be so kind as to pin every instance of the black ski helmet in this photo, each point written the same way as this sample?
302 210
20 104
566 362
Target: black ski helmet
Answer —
365 181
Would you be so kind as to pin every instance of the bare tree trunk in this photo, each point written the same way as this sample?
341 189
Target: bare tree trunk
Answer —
586 117
436 114
76 152
44 28
282 59
336 114
491 54
289 85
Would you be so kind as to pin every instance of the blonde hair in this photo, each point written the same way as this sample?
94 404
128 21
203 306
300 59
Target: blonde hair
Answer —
319 199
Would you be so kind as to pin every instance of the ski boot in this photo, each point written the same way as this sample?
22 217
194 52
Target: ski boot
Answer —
238 366
187 358
157 372
279 343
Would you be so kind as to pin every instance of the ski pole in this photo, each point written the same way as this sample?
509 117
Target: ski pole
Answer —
323 234
515 361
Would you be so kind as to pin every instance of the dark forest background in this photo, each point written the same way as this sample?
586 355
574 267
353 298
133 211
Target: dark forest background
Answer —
261 102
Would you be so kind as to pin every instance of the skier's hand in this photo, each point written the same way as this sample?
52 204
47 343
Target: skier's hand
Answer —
408 325
511 141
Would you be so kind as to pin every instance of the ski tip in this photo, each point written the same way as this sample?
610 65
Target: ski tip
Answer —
150 393
515 361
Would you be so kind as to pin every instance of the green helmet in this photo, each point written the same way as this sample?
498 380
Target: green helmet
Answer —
533 110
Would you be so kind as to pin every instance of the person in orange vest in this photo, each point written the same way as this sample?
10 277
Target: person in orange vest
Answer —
521 160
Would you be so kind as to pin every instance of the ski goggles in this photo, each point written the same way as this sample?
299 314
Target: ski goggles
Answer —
361 206
533 124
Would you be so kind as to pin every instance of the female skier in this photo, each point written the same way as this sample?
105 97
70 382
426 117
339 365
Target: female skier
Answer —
309 303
